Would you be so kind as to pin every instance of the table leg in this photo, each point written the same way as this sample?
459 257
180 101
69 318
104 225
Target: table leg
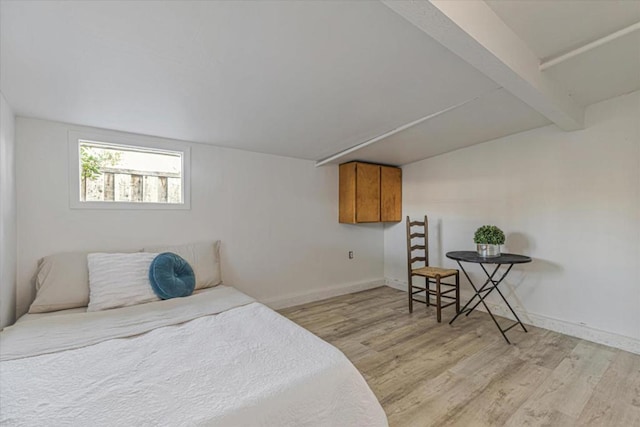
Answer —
477 292
494 282
509 305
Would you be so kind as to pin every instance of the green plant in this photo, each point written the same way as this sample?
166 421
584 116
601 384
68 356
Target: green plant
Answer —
489 235
93 160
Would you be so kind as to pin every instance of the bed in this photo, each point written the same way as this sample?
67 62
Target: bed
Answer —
214 358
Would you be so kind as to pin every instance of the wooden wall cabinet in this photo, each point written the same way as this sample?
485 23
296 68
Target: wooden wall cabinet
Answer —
370 193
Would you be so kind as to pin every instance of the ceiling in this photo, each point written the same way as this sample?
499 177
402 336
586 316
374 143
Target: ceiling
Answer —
552 28
485 118
304 79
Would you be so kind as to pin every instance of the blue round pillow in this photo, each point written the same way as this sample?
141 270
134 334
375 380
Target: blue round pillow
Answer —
171 276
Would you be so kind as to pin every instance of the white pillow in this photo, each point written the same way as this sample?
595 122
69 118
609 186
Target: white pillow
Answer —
203 257
119 280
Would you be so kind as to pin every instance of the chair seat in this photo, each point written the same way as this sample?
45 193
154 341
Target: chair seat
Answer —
432 272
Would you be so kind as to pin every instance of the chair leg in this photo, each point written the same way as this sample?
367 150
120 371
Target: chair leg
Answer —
438 300
427 284
457 292
410 293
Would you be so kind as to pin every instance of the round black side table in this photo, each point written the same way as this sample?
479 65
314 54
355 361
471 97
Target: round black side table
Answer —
490 284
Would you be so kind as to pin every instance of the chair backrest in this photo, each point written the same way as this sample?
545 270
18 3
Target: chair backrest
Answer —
421 232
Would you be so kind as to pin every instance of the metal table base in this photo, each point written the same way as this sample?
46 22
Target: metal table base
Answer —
489 285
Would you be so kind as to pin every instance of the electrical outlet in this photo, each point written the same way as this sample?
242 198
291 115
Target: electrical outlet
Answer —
350 254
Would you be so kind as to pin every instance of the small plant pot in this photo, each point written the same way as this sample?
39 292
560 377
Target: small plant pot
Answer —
488 251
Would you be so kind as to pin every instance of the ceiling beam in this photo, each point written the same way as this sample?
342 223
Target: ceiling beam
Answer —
471 30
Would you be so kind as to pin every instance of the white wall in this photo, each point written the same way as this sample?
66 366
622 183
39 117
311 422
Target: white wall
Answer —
7 215
277 218
571 200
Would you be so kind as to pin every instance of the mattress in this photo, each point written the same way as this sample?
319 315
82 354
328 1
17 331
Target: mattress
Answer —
216 358
35 316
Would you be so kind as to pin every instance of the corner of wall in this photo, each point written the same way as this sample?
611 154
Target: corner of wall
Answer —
8 223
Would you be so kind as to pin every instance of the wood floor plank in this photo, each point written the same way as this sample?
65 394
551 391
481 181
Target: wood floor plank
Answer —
427 373
616 398
501 397
570 385
408 370
546 348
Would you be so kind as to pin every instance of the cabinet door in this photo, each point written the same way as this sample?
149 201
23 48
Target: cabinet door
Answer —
367 193
390 194
347 193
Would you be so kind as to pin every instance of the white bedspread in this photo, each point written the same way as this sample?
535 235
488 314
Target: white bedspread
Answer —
244 366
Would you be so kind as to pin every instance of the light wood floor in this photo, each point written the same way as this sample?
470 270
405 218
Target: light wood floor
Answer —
430 374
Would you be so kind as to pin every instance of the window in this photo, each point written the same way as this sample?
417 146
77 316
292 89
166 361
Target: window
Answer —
119 173
115 175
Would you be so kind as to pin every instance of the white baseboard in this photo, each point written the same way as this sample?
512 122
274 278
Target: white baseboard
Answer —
320 294
562 326
396 284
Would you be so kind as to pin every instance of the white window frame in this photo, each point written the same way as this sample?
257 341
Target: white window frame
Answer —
143 142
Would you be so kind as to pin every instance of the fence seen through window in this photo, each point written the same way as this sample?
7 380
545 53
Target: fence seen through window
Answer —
120 173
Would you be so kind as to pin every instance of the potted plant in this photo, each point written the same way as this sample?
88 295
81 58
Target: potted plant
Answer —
488 239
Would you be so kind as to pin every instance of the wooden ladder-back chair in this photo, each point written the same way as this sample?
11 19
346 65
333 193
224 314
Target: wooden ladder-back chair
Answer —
430 274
